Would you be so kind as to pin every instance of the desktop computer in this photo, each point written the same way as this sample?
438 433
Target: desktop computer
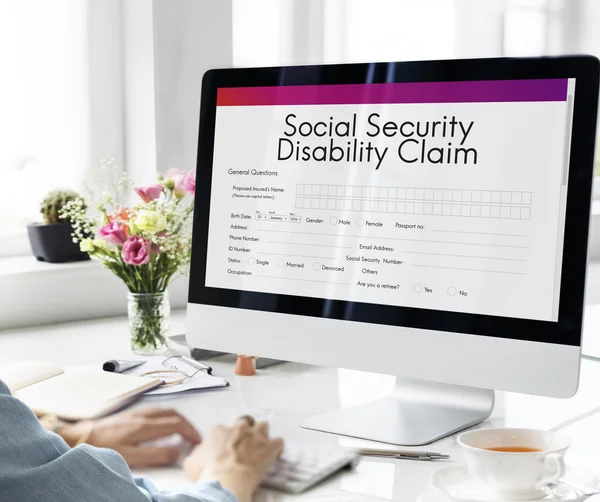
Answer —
427 220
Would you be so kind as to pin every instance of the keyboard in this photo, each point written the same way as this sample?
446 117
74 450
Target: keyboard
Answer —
300 467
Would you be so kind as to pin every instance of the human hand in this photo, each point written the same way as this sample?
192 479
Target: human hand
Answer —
238 457
125 432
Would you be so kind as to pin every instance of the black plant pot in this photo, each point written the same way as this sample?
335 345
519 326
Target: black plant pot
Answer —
54 243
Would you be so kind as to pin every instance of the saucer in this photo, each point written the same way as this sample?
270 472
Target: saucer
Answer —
456 483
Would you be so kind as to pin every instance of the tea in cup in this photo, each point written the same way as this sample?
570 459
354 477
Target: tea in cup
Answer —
516 464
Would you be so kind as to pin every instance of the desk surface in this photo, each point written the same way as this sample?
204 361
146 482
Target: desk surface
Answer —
287 393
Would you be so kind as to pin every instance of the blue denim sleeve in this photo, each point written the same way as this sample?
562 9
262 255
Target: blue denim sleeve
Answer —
38 466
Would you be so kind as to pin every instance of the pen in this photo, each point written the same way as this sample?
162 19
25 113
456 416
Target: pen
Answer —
115 366
403 454
197 364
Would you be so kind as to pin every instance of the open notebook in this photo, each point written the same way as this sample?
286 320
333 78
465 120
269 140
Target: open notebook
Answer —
76 394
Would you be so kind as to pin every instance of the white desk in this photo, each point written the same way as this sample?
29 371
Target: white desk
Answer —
285 394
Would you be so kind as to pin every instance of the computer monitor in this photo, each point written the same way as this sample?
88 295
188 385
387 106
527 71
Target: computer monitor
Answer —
425 219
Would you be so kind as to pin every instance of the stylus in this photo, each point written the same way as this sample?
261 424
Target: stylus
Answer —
403 454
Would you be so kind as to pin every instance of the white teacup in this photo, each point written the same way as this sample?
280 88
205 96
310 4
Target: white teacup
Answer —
515 475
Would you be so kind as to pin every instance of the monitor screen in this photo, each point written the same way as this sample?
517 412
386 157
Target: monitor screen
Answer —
446 196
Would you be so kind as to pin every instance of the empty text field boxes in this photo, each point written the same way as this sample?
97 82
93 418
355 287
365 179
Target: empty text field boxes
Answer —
500 204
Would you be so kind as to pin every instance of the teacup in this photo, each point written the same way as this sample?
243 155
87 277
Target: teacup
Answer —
517 464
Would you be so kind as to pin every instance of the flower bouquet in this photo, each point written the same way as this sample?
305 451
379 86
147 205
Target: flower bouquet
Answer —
146 245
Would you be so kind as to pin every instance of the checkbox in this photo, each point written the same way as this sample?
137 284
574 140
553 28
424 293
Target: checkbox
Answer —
410 193
428 194
496 197
298 202
382 206
374 192
456 209
339 204
506 197
393 193
446 209
476 211
516 198
299 189
515 213
466 195
324 190
476 195
505 212
348 191
437 209
341 190
401 193
419 194
456 195
418 208
314 203
373 206
527 198
383 192
410 207
447 195
400 207
391 207
486 196
357 191
495 212
427 208
465 210
330 203
356 205
323 203
347 204
438 194
485 211
365 205
525 213
366 192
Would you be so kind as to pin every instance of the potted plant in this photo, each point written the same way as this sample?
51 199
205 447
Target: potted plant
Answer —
52 241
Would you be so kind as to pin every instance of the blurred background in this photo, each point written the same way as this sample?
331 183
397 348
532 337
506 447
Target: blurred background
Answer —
85 80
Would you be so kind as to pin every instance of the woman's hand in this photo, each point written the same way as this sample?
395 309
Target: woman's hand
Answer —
238 457
124 432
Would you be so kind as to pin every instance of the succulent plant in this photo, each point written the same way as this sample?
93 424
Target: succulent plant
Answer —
53 204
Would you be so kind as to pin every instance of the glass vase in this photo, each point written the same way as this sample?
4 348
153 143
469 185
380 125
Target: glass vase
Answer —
149 322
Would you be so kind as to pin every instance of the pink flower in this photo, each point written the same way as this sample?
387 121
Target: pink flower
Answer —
177 176
188 182
136 251
114 233
149 193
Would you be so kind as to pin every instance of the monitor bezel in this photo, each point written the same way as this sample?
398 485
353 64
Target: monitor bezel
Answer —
566 331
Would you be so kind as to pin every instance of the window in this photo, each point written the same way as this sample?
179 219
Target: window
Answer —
267 32
43 102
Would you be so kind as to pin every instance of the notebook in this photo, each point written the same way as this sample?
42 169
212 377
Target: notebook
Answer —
76 394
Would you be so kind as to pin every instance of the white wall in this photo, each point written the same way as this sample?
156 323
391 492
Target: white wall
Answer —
138 89
190 37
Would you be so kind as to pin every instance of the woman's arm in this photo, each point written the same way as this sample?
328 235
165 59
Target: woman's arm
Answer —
38 466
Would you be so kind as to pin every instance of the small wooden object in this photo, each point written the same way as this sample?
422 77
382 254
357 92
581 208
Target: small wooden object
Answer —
244 366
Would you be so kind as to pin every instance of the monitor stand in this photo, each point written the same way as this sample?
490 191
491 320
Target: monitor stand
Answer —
417 412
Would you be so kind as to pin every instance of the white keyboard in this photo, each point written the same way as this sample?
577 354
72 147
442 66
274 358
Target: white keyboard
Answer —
300 468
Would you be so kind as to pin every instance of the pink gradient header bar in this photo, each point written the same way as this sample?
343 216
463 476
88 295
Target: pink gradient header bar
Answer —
481 91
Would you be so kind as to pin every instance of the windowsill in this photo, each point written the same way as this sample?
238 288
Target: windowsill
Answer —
17 265
36 293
